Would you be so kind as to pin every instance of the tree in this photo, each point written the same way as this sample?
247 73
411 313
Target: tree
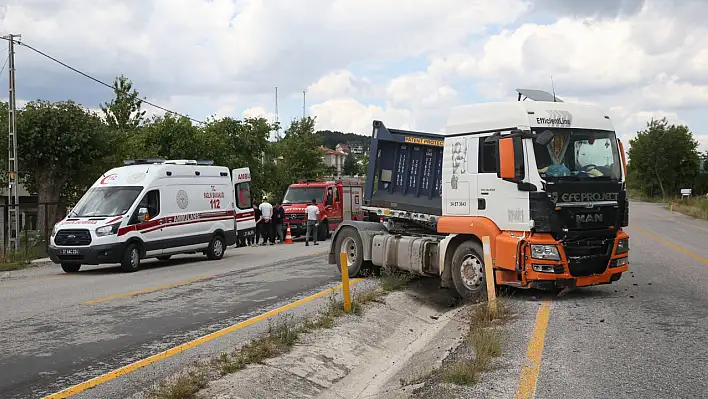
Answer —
302 155
123 113
62 146
351 166
663 158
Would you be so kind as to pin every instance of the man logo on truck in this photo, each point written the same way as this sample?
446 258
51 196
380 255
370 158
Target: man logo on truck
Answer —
588 218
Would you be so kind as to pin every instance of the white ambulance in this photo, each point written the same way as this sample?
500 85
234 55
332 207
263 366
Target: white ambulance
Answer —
154 209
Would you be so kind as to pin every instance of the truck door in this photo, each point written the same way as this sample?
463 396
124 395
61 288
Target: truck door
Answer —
243 206
498 200
330 207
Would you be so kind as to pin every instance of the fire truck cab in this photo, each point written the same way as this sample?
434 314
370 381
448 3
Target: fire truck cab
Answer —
337 200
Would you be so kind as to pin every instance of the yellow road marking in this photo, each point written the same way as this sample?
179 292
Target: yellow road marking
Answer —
532 365
71 391
34 281
146 290
672 245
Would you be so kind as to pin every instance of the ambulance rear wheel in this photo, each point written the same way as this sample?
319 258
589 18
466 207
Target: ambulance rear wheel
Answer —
131 258
70 267
468 270
216 249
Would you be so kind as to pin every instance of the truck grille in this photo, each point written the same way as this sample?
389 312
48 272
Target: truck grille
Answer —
589 256
295 216
72 238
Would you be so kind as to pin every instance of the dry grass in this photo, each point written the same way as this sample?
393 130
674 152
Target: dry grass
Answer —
484 338
21 259
695 207
183 386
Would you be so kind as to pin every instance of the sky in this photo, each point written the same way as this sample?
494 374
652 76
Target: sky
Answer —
406 63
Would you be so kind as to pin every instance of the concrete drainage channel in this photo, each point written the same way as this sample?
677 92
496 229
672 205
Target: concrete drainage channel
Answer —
392 346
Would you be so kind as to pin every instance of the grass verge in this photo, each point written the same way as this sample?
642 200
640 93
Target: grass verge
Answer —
484 338
695 207
15 260
279 339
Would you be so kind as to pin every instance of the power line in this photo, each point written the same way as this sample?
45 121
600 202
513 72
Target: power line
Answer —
100 81
5 64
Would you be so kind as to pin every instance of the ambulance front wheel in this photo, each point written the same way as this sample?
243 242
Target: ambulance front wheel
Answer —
216 249
131 258
70 267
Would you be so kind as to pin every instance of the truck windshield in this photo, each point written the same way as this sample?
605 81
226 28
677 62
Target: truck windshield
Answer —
300 195
106 201
579 155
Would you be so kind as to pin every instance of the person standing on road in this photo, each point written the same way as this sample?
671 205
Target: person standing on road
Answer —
268 225
258 215
279 218
313 215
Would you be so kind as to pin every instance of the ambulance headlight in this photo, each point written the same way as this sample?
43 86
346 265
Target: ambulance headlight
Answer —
546 252
55 230
109 230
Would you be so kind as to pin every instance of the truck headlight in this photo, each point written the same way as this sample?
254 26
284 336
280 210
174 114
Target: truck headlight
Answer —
543 251
111 229
622 246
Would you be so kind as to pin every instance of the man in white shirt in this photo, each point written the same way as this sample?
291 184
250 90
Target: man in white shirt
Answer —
267 222
313 216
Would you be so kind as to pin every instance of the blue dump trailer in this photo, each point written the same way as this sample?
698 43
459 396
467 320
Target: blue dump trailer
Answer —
406 168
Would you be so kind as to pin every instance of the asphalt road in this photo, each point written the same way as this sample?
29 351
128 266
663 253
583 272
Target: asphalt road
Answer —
647 335
643 337
57 330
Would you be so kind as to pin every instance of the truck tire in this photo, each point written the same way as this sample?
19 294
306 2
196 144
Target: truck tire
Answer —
216 249
349 242
468 270
70 267
323 231
131 258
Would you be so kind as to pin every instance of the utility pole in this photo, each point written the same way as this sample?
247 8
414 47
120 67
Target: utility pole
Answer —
13 198
304 113
277 118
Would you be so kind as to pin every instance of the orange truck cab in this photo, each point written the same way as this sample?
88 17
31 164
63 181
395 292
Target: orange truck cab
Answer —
544 180
337 200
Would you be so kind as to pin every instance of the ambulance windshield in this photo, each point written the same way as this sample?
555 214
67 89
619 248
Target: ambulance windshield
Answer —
303 195
576 154
106 201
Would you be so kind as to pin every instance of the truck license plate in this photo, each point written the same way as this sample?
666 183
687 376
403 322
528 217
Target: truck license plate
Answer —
69 251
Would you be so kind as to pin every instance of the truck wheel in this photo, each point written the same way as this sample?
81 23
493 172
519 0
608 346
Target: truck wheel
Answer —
349 242
216 248
70 267
131 258
323 231
468 270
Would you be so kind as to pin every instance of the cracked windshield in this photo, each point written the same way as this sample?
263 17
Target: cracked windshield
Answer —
338 199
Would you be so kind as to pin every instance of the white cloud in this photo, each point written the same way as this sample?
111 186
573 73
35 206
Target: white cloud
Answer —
350 115
224 57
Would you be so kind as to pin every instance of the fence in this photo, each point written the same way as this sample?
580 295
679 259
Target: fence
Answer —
37 220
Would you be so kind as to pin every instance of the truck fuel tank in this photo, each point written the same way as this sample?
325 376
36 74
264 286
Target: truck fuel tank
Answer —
417 255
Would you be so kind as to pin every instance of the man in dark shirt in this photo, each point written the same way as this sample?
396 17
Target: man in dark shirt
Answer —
258 216
278 218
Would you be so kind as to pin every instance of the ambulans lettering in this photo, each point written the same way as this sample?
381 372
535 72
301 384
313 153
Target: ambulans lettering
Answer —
244 176
219 195
185 218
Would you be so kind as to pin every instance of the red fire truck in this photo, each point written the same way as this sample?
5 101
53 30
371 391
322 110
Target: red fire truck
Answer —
338 200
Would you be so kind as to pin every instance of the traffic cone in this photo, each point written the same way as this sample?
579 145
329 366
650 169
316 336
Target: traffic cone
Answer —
288 237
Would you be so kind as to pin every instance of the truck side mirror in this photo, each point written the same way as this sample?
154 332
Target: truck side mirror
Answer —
510 159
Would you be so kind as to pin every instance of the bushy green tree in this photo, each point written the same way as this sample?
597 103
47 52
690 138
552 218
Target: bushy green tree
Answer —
663 158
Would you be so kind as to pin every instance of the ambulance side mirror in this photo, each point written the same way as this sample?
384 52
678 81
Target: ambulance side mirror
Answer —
143 215
510 159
